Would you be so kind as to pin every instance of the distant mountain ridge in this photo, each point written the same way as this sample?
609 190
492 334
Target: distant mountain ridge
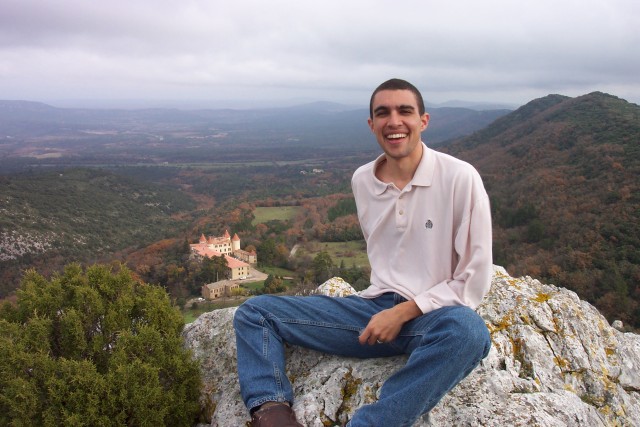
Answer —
28 112
31 129
479 106
564 179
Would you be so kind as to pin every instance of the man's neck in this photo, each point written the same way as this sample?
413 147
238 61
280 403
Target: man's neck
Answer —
399 171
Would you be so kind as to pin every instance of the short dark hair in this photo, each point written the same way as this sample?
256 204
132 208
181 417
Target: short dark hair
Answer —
398 84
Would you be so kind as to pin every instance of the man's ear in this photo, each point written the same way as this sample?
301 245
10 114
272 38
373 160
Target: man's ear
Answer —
425 121
370 123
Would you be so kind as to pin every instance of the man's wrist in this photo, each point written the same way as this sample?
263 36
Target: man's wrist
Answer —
408 310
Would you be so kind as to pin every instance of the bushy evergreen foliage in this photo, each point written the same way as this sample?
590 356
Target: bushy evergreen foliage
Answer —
213 269
322 267
94 347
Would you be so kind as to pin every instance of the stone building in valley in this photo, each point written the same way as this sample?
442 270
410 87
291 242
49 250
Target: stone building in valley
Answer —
238 261
223 288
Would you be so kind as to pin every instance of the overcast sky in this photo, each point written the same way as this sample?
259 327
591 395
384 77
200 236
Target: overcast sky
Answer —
256 51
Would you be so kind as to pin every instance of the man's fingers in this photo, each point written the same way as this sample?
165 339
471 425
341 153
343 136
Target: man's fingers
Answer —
362 338
368 338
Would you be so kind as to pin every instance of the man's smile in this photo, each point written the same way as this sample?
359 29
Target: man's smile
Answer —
396 136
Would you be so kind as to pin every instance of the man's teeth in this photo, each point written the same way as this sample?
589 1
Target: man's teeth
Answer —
396 135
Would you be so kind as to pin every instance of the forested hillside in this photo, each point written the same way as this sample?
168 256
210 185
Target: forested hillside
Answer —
50 219
564 176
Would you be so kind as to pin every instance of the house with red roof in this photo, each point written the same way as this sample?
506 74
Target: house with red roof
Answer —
238 260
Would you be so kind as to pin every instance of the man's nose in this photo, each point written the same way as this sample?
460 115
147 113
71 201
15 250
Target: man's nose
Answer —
395 119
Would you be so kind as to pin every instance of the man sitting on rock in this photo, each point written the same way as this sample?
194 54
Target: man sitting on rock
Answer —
426 219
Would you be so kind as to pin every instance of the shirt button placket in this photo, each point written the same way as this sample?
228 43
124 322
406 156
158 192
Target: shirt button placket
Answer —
401 214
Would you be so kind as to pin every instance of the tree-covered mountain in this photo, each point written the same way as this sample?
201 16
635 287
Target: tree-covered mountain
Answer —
563 175
50 219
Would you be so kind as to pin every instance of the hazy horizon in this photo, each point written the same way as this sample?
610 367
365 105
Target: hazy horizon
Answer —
184 104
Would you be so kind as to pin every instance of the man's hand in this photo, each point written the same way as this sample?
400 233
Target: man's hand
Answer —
385 326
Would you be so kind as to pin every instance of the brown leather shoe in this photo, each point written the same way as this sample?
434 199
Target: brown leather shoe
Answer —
280 415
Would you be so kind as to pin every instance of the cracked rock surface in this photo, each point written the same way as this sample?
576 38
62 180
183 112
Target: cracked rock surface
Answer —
555 361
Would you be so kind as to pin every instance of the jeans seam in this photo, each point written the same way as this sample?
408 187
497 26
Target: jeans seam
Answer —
265 341
322 324
405 334
276 374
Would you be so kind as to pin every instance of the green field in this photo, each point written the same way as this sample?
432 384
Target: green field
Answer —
352 253
278 271
278 213
252 286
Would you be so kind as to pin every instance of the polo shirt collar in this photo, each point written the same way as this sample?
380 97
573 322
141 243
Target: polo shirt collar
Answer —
424 173
423 176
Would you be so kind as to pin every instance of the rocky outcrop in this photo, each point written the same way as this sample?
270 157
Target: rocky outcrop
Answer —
555 361
14 245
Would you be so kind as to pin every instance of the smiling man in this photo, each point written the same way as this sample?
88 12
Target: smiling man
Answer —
426 220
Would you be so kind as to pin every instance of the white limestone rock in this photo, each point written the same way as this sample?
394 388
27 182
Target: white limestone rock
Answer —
336 287
555 361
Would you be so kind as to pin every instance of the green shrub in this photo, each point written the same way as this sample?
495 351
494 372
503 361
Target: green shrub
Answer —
94 347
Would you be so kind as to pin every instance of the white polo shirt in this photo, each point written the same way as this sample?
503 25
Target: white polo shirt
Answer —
431 241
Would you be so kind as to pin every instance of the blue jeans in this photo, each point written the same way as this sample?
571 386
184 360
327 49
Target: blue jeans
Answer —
444 346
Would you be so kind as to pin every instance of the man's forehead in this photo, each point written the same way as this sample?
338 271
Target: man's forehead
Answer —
395 98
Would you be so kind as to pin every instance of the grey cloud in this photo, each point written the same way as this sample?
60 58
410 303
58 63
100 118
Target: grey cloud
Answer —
203 48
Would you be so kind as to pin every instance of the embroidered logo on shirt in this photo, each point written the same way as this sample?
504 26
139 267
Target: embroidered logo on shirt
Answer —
428 224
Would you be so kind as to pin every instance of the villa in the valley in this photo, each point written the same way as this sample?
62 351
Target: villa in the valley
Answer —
238 261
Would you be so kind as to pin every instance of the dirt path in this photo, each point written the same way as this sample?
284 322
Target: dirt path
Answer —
294 249
255 275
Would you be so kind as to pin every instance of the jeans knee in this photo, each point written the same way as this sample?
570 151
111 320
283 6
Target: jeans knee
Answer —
244 313
250 311
468 330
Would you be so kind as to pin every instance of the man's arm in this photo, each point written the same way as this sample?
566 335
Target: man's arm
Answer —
471 278
386 325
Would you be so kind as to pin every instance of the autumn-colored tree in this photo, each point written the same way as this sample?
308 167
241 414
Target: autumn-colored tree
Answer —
273 284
